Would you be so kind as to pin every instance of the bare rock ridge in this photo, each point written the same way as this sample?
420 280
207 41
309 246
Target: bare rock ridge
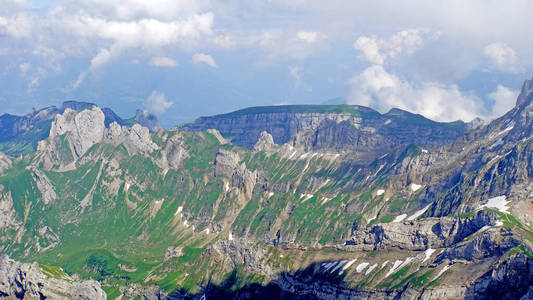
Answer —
20 134
336 128
29 281
83 129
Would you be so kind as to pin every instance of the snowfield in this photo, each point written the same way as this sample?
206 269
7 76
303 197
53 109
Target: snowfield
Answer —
380 192
499 203
415 187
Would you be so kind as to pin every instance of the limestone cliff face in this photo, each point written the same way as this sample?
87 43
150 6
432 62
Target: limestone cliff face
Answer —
86 128
28 281
342 128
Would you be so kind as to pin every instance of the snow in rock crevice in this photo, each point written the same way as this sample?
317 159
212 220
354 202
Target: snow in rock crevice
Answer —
371 268
380 192
428 254
441 272
419 213
399 218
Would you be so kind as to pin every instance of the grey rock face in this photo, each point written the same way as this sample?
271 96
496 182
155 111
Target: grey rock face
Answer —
5 162
27 281
354 129
85 128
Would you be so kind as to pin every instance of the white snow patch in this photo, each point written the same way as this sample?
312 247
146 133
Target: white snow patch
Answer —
493 159
180 209
349 264
369 220
380 192
383 156
305 155
419 213
379 169
388 122
325 199
329 265
499 203
361 267
508 128
206 231
270 194
185 223
399 218
371 268
306 197
230 237
157 202
281 256
415 187
425 151
339 264
127 186
496 144
441 271
498 223
292 155
384 264
428 254
394 268
226 187
398 265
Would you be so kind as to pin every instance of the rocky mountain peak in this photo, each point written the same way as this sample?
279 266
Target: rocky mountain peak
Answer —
265 142
526 94
86 128
146 119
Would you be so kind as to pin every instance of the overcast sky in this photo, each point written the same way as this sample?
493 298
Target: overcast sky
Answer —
181 59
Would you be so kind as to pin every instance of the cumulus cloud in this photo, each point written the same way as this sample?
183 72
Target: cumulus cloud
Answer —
157 103
296 73
17 26
502 57
377 88
503 99
162 62
204 58
307 36
377 50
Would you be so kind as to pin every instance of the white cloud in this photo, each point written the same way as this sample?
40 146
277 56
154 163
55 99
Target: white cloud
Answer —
377 51
24 67
377 88
137 9
17 26
157 103
307 36
162 62
503 99
204 58
296 73
502 57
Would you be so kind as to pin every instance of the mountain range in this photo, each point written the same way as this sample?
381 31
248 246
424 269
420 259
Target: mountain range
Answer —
288 202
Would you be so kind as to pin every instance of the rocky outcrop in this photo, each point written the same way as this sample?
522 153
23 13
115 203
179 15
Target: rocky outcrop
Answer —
135 138
29 281
5 162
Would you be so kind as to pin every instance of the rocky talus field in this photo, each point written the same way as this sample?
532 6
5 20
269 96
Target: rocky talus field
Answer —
281 202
